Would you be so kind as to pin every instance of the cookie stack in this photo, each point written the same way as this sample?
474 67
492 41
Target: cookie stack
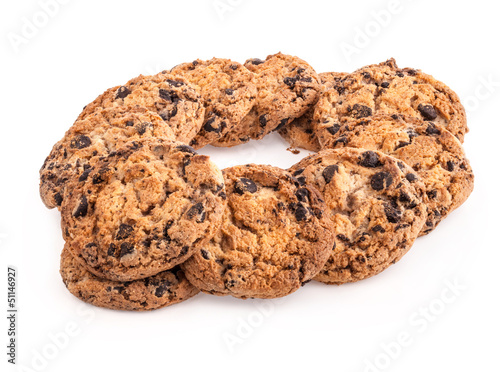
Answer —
148 222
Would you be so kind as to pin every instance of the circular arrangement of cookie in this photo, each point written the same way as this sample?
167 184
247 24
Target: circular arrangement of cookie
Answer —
275 235
375 203
434 153
301 131
164 289
228 90
287 86
97 135
387 89
178 103
143 209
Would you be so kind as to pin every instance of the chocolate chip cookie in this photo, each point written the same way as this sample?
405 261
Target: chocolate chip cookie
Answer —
178 103
98 134
387 89
301 131
434 153
143 209
228 90
164 289
275 236
287 87
375 204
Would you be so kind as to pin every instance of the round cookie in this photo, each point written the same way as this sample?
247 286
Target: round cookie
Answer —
375 204
387 89
287 86
97 135
300 133
143 209
275 236
178 103
164 289
228 90
434 153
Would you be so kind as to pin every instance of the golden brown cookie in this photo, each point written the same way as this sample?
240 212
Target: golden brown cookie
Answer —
99 134
387 89
228 90
178 103
143 209
275 236
287 87
375 204
434 153
164 289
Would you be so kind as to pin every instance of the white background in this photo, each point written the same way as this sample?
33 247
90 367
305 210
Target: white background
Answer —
84 47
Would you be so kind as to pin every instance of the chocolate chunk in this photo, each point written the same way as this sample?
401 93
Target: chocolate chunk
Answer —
256 61
99 177
302 195
301 180
282 123
58 198
196 210
381 180
301 212
141 128
411 177
208 126
385 84
122 92
186 148
378 228
290 81
229 92
80 142
428 111
333 129
234 67
370 159
450 165
245 184
400 74
175 83
82 209
129 123
342 140
111 250
431 129
125 249
360 111
263 121
168 96
432 194
184 251
392 214
204 254
162 288
124 231
329 172
83 177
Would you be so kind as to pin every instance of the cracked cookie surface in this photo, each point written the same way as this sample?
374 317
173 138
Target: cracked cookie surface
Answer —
164 289
275 235
177 102
228 90
97 135
143 209
434 153
286 87
375 203
387 89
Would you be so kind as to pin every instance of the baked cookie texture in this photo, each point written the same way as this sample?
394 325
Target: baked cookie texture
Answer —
375 204
275 236
178 102
98 134
286 86
164 289
143 209
433 152
387 89
300 133
228 90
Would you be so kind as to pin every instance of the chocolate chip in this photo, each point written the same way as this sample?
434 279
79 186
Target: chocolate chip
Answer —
428 111
400 74
431 194
175 83
234 67
111 250
378 228
381 180
343 140
122 92
263 121
80 142
301 180
184 251
370 159
411 177
392 214
431 129
450 165
99 177
329 172
333 129
125 249
208 126
82 209
85 174
385 84
245 184
186 148
302 195
290 81
301 212
256 61
360 111
162 288
141 128
58 198
124 231
298 172
204 254
129 123
282 123
229 92
366 75
168 96
196 210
